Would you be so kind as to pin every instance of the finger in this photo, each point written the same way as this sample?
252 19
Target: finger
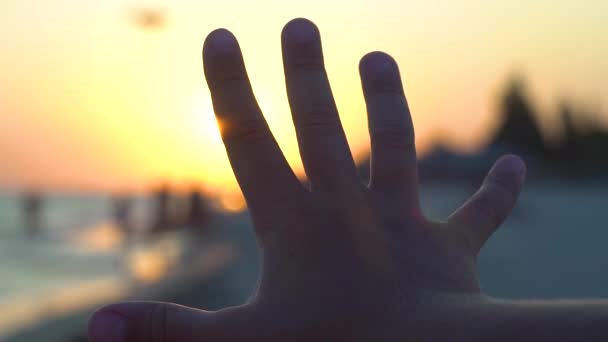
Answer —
259 166
152 321
393 155
481 215
323 146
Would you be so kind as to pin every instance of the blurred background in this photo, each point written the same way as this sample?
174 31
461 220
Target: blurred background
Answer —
114 183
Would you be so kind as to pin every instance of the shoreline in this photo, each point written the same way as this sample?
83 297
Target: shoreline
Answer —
68 322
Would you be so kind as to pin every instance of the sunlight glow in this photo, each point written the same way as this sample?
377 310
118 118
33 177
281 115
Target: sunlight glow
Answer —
22 311
127 106
151 264
147 267
232 202
102 237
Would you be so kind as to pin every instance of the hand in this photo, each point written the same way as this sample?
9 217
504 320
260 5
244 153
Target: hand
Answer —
340 261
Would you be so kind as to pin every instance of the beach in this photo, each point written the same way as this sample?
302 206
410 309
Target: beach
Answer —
551 247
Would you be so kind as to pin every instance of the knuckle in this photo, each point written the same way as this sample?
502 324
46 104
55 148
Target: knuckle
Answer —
470 242
383 83
306 61
393 136
245 131
305 56
318 115
462 236
489 207
502 187
231 76
226 70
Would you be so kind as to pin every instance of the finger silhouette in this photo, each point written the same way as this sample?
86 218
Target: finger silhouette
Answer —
323 147
393 155
258 163
483 213
155 321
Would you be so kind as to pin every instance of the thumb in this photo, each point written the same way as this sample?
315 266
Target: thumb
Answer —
163 322
483 213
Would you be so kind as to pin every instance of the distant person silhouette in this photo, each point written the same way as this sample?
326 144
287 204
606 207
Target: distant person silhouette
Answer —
32 213
344 261
198 213
163 218
121 212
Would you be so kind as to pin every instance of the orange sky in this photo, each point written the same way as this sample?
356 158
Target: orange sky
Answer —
88 100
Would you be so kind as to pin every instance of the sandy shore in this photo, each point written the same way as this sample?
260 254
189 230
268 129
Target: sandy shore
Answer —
222 272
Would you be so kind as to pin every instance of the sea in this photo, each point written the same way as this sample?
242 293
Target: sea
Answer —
552 246
79 256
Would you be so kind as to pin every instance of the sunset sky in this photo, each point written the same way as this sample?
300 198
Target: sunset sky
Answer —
89 100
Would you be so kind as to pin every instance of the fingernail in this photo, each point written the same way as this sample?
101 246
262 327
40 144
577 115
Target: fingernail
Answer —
108 326
378 62
302 31
513 165
222 42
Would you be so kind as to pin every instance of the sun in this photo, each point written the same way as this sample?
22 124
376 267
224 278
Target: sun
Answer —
208 162
202 122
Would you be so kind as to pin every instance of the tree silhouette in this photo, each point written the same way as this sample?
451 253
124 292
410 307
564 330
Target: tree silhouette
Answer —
519 129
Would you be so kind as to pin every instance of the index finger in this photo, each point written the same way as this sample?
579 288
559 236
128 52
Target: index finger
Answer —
260 168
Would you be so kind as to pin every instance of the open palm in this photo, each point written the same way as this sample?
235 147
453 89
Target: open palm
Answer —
341 260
